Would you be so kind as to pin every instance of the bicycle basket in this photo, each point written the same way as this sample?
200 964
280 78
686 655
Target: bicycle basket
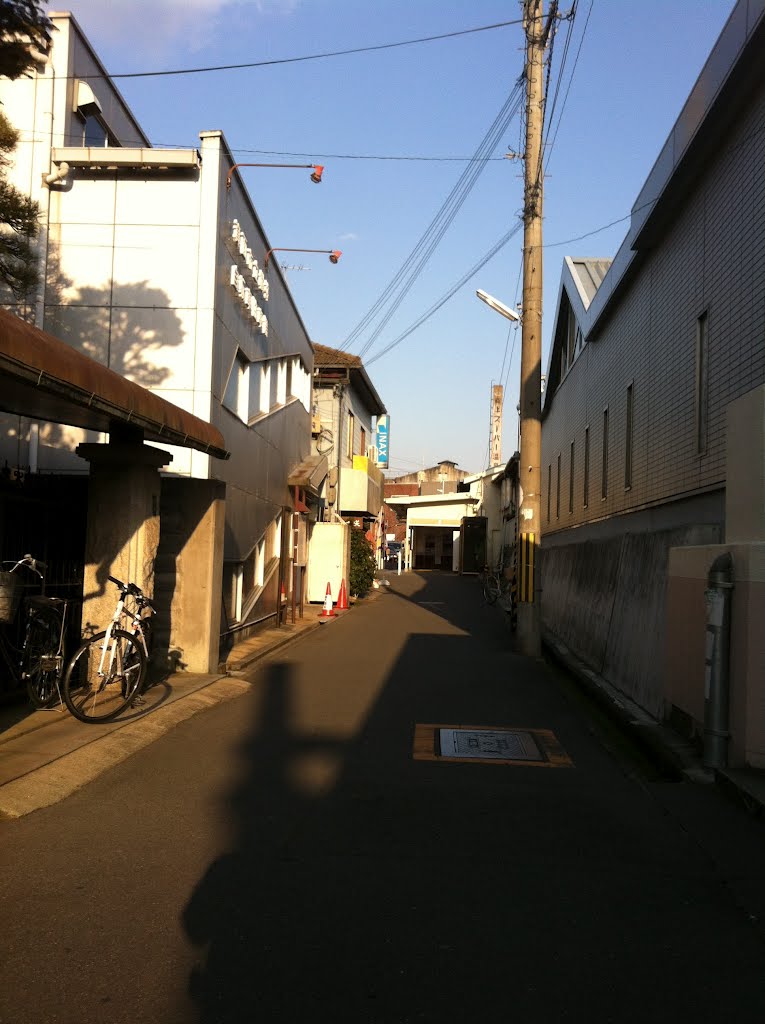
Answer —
10 595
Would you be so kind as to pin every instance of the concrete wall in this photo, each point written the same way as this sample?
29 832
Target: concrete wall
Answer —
188 574
606 601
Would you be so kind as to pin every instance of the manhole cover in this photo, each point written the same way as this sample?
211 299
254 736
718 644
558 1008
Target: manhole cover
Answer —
489 744
475 743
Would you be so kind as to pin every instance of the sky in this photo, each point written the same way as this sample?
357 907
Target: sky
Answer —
396 128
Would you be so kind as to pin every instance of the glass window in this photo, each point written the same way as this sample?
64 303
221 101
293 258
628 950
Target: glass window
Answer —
586 484
604 467
628 440
351 426
236 397
702 370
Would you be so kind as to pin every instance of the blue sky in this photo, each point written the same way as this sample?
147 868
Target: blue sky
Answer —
637 62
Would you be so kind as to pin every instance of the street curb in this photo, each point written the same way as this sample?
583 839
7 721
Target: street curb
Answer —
249 659
63 776
674 754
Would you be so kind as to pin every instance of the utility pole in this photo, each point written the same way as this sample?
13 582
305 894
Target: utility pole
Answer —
528 635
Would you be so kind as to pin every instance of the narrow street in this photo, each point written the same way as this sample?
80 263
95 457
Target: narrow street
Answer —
286 857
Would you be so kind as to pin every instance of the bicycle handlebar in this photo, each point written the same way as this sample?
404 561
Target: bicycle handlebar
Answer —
134 591
29 563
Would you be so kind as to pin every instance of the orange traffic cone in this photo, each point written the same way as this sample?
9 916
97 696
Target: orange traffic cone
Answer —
327 611
342 598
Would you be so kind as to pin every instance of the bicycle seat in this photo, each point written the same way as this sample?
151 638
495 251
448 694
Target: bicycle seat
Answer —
43 601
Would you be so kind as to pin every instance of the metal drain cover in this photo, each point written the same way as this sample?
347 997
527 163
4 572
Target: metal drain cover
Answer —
476 744
489 744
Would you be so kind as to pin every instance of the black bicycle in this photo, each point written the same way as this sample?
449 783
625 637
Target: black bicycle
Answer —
37 661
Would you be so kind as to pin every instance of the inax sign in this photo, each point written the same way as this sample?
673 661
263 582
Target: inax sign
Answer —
382 441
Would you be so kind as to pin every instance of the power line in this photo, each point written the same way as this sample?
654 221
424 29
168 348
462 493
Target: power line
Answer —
307 57
452 291
394 293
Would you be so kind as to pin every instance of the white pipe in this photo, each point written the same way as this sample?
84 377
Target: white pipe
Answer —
58 174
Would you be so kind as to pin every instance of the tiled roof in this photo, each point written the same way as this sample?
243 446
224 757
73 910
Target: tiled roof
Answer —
326 356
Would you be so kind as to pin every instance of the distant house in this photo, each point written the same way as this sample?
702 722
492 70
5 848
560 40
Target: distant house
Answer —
345 409
654 412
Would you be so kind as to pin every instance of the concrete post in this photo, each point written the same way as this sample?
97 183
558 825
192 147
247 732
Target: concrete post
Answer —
123 523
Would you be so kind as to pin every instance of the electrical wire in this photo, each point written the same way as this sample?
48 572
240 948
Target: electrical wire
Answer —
450 293
307 57
393 294
571 78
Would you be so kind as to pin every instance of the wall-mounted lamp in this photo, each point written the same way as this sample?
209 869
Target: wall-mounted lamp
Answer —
334 254
318 170
497 306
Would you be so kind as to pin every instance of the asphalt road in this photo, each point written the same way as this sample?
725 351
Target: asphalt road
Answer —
284 857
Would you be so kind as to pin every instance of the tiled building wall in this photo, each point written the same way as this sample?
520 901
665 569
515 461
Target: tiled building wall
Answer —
712 260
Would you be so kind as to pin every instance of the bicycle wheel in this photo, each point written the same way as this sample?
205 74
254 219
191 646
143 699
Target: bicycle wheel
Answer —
102 679
490 589
40 664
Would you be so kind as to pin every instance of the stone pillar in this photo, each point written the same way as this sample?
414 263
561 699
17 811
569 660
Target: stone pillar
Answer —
123 523
189 581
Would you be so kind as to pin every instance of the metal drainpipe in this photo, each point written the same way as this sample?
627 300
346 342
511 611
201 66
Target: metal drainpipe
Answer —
717 664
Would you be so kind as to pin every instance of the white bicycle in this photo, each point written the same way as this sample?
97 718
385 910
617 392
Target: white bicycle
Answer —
107 672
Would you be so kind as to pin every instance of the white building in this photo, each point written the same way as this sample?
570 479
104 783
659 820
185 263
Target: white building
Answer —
152 262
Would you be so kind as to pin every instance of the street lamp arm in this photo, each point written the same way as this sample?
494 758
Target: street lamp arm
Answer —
318 170
334 254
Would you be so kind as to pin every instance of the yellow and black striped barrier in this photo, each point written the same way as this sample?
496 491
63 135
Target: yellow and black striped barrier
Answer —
526 567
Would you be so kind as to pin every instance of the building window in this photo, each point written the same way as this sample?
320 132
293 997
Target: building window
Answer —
351 429
557 492
549 489
232 590
604 467
702 374
628 440
281 382
363 445
586 487
236 396
571 479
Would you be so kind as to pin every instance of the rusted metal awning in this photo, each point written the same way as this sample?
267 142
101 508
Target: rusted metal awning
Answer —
43 378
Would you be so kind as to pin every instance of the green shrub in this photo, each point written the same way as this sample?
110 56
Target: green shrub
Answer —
363 567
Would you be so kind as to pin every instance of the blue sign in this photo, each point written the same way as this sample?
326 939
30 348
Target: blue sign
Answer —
382 441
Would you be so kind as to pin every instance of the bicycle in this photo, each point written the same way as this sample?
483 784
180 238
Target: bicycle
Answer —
496 586
107 672
38 663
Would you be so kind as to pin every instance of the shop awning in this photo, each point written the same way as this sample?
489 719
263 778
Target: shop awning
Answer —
43 378
309 474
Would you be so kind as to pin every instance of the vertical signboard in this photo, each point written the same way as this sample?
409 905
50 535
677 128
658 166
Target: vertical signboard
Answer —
497 397
383 431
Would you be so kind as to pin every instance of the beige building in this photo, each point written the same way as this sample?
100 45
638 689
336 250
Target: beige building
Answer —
153 263
653 413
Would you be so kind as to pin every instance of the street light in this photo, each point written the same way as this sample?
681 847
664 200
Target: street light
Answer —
334 254
497 306
318 170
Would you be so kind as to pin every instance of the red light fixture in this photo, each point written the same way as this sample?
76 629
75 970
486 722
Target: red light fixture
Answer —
318 170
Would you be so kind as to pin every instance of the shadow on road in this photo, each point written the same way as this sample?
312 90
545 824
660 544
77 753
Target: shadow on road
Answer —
361 885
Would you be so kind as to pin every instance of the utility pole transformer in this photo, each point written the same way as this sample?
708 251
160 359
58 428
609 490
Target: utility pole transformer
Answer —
528 635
